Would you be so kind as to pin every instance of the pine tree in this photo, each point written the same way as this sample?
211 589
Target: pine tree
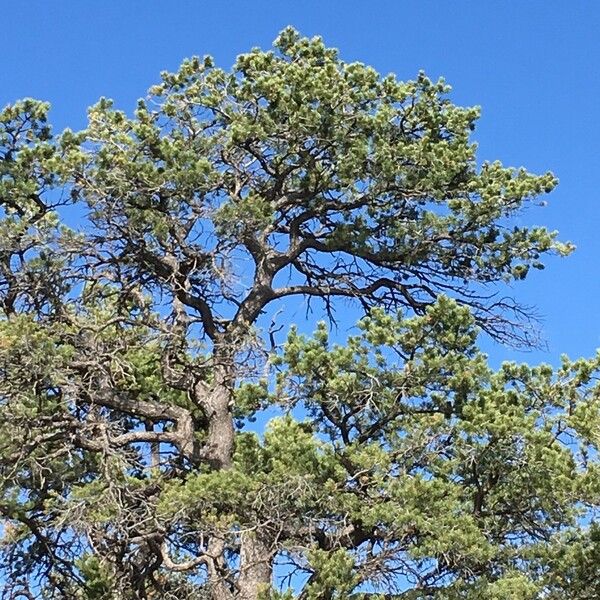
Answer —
136 348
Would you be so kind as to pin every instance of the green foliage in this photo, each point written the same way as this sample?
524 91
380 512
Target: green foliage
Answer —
98 583
133 366
469 466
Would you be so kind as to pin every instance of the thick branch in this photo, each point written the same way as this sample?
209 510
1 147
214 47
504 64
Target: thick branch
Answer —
183 437
180 567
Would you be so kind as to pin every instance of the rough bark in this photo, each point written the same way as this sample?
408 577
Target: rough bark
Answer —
255 566
217 404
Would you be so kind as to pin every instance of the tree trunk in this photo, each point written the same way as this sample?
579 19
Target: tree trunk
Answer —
255 557
255 567
216 401
219 447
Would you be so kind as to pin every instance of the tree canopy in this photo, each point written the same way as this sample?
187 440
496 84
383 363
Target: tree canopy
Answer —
142 264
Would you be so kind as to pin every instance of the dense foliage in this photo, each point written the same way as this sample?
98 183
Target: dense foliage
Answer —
138 347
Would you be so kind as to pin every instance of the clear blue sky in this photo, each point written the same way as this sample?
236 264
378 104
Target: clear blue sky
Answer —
532 65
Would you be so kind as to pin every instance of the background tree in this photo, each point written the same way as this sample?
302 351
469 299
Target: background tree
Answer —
135 350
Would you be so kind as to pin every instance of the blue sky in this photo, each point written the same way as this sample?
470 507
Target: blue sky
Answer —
532 65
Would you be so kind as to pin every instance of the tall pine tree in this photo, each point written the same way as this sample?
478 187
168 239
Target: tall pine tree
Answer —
136 348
